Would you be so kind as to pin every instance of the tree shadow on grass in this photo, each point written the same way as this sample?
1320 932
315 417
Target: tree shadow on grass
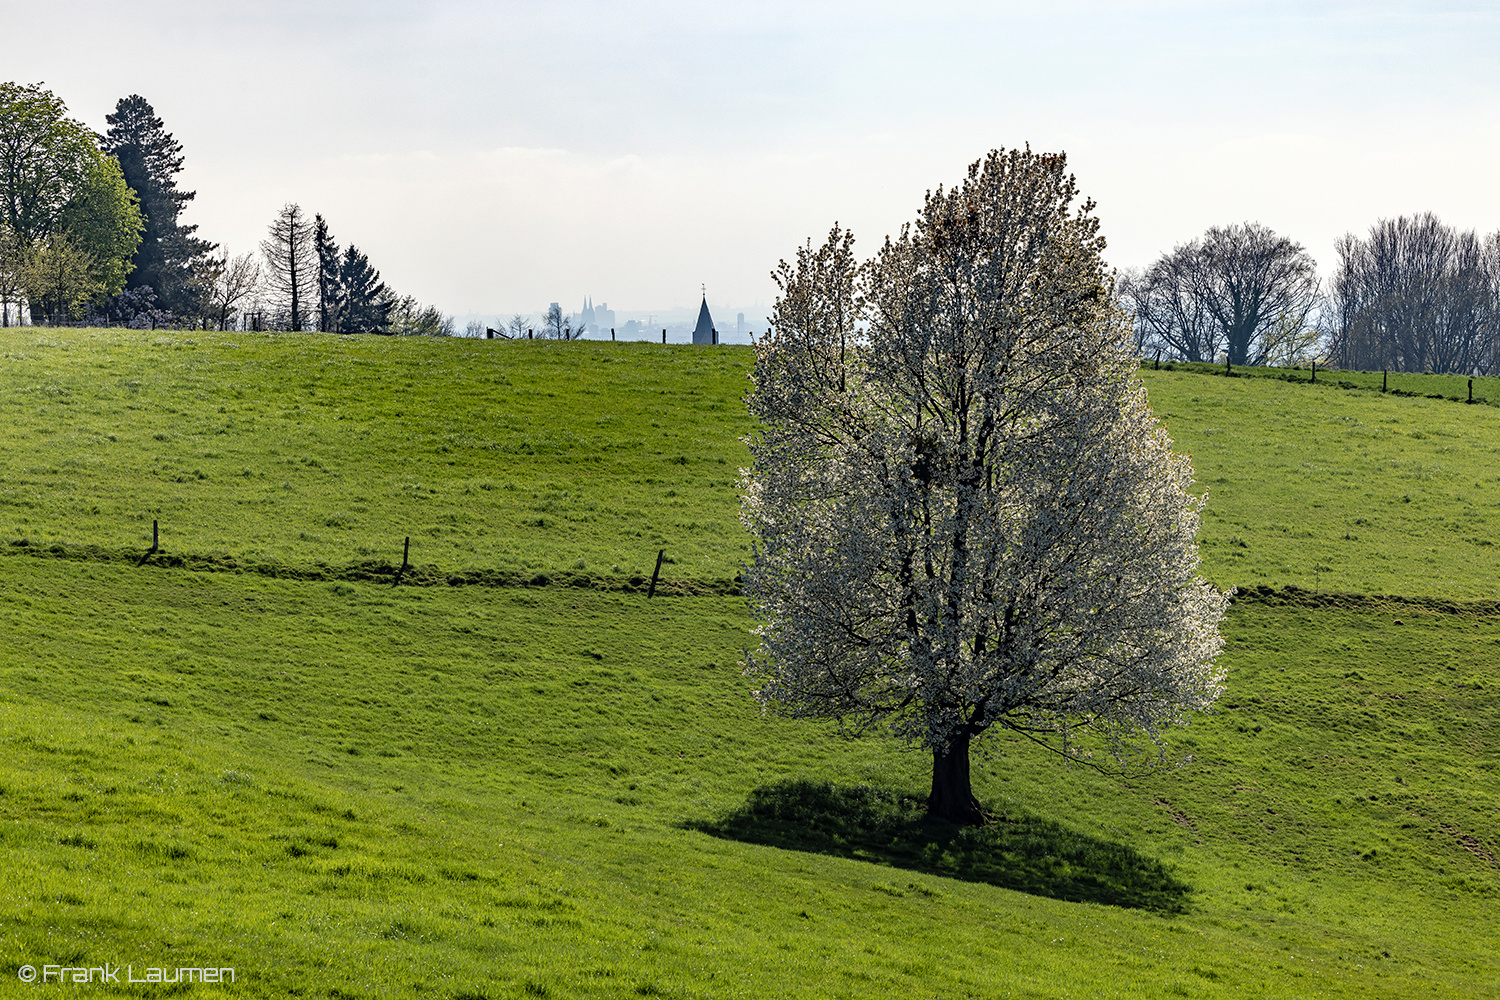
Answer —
1012 851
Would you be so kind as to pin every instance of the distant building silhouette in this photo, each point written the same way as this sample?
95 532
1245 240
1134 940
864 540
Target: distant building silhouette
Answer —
596 319
704 332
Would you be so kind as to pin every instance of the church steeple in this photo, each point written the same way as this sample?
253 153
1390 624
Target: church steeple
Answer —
704 333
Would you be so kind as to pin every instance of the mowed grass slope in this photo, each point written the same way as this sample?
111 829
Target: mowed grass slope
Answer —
350 790
358 791
303 449
1339 491
298 450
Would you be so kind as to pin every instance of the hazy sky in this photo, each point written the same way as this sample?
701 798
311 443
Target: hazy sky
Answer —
494 157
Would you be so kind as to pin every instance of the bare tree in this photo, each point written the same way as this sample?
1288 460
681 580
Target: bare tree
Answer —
515 328
409 318
1169 317
238 281
291 262
1416 295
1241 291
1488 361
558 326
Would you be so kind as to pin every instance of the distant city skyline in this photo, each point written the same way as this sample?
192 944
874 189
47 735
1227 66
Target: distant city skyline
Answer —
735 324
486 169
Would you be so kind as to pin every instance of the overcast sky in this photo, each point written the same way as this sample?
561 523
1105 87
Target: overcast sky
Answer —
494 157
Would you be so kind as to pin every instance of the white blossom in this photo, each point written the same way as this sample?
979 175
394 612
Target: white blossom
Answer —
965 514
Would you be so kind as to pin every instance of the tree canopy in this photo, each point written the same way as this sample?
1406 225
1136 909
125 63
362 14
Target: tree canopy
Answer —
102 216
170 258
1418 295
1239 291
58 276
45 159
966 516
73 222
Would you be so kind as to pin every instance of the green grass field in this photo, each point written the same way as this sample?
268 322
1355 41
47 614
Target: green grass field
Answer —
1339 491
299 449
344 789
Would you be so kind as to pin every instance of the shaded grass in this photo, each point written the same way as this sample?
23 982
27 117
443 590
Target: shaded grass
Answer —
889 827
375 571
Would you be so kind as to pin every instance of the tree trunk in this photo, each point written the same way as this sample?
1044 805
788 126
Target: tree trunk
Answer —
952 798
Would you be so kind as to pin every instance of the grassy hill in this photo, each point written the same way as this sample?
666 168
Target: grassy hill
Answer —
340 788
288 452
1334 490
296 450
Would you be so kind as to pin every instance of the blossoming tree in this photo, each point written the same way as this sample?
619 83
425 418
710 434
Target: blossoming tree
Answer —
966 516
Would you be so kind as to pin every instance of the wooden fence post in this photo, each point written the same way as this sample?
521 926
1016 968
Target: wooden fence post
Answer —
1315 369
405 551
656 573
1471 390
155 546
1383 376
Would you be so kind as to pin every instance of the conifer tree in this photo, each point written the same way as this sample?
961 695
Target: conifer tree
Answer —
367 301
291 262
169 254
329 292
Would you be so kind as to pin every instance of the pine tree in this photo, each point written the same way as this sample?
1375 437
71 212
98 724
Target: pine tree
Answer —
329 291
367 301
150 159
291 262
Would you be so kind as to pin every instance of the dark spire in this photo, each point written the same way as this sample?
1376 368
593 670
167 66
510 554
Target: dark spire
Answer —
703 333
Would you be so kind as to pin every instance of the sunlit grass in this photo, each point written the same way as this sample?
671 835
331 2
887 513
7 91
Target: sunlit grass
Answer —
475 792
588 458
307 448
348 789
1339 491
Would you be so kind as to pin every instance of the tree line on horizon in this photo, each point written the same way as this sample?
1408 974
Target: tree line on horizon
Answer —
90 233
1414 295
